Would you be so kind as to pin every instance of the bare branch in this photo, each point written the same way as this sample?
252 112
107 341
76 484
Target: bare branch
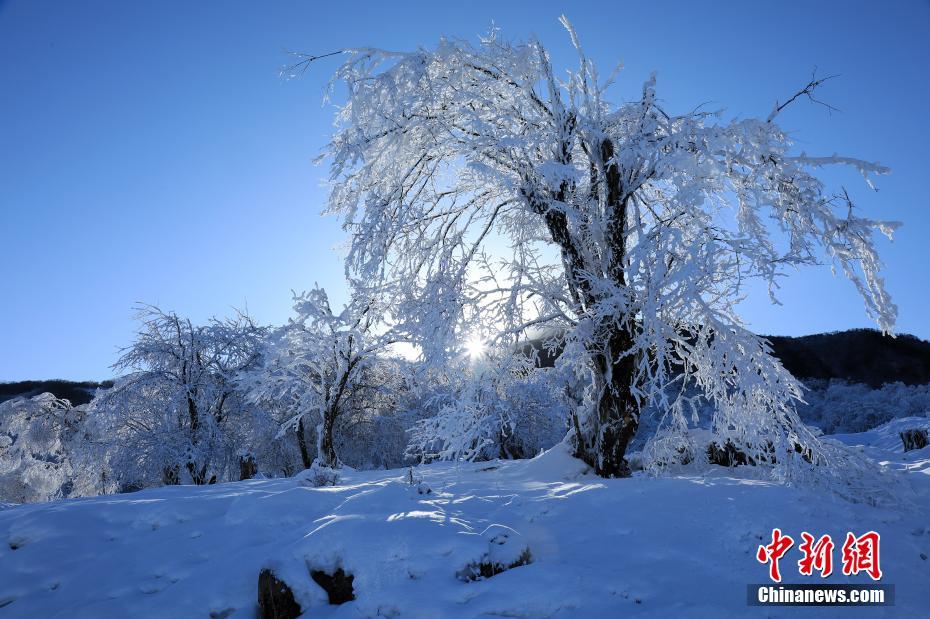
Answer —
807 91
300 67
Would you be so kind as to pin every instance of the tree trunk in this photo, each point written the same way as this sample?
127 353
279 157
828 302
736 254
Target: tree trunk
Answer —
194 417
302 443
247 466
171 475
327 451
604 440
616 414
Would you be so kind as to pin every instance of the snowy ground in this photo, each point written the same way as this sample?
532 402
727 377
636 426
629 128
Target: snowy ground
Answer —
682 546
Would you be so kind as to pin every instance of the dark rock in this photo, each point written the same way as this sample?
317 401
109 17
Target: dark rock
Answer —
275 598
338 585
914 439
503 545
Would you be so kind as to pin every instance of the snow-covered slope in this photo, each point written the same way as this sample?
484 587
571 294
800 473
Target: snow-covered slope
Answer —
682 546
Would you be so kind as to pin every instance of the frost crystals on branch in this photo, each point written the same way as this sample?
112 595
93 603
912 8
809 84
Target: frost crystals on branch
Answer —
629 231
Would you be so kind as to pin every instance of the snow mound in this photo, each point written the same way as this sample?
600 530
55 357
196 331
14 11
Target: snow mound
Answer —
886 437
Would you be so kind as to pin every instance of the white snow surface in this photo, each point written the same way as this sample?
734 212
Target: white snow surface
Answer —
643 546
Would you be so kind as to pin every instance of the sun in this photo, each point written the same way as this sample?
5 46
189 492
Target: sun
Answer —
475 347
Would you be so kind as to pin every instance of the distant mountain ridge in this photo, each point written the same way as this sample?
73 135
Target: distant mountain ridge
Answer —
858 355
76 392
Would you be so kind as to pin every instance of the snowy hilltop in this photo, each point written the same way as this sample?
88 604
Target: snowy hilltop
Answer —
414 542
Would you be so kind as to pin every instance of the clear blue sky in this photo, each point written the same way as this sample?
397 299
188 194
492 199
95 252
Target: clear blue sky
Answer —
150 152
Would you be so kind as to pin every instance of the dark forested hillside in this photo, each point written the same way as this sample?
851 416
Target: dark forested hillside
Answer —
75 392
859 355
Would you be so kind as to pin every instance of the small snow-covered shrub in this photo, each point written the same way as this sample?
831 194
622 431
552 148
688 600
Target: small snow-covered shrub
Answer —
319 475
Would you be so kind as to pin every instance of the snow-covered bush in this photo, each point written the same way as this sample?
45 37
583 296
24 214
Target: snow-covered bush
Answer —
45 451
319 475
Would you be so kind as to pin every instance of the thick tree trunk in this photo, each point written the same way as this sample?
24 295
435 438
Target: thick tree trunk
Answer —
603 437
327 452
247 466
194 417
616 414
602 443
302 444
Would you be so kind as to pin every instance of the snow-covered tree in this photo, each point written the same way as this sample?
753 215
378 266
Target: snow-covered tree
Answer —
176 416
630 231
496 406
318 365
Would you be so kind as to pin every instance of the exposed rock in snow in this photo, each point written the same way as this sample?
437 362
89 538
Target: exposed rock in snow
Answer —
338 585
275 598
506 550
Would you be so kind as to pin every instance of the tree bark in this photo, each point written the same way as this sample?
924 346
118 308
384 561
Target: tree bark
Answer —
327 452
603 441
617 410
194 417
302 444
